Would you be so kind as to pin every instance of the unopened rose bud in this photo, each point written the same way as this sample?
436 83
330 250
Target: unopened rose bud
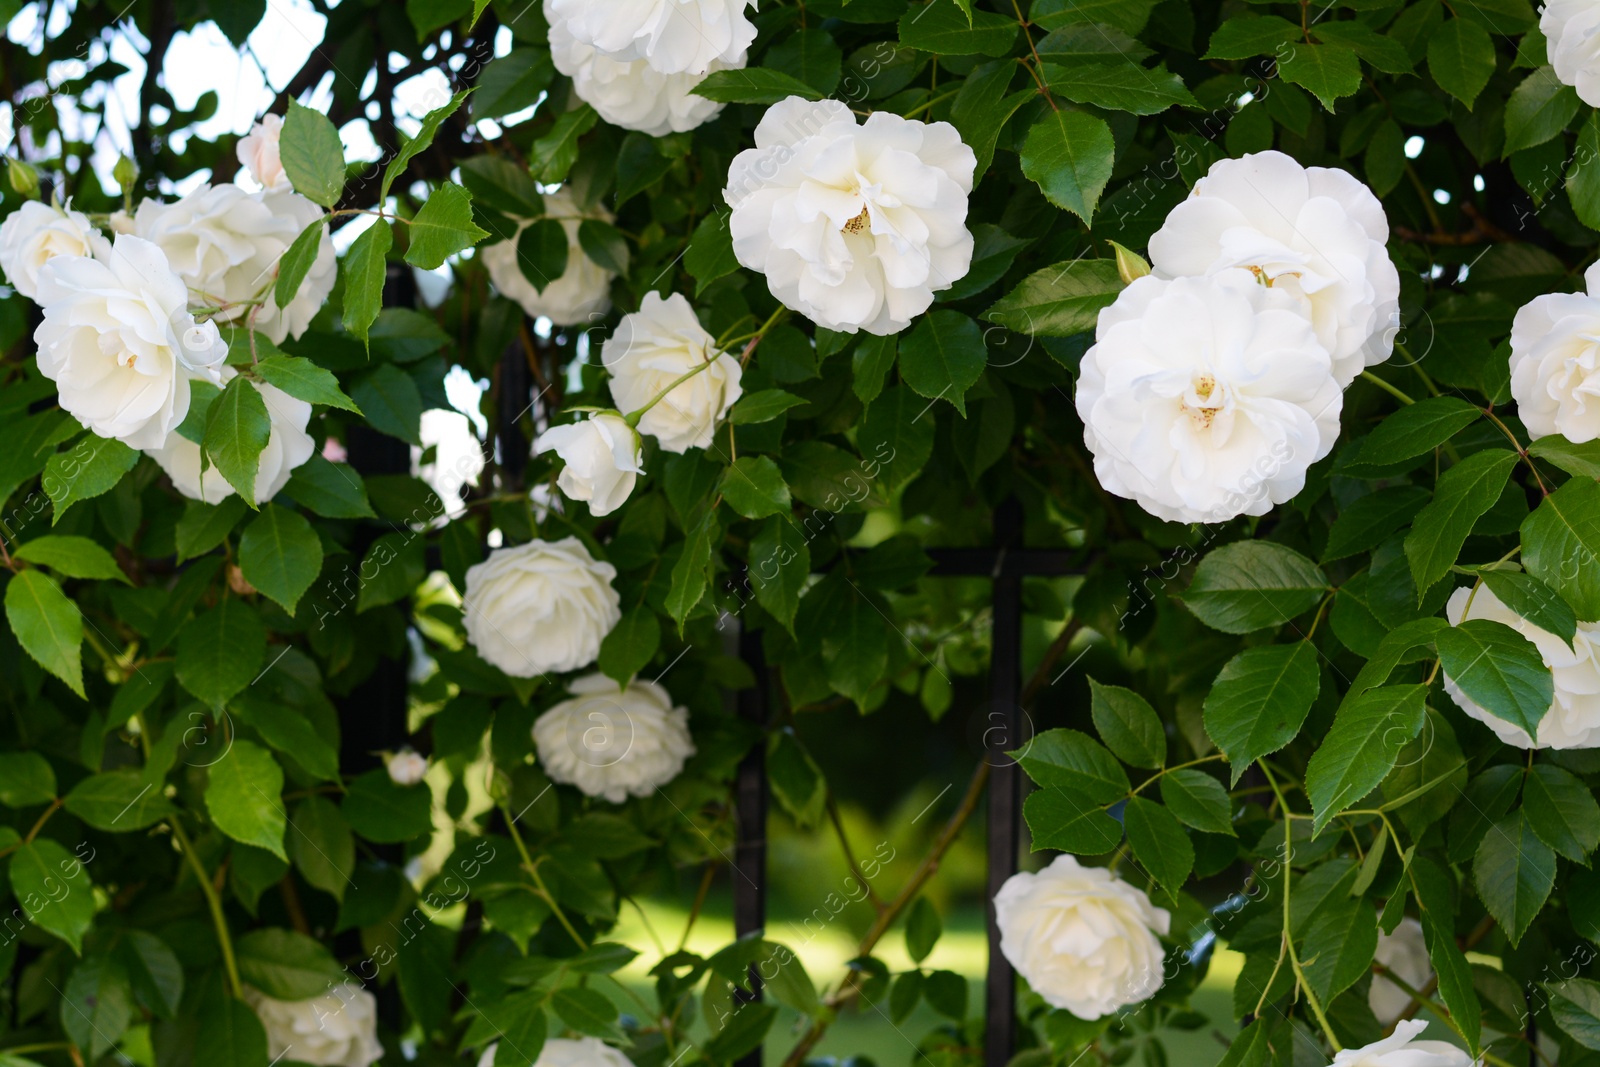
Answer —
125 173
24 179
1130 264
407 767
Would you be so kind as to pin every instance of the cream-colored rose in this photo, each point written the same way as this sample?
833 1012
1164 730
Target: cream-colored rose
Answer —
652 349
1573 720
855 226
582 295
406 767
673 36
631 93
1555 363
540 607
1400 1049
338 1029
36 233
120 344
602 460
1405 952
1084 939
258 152
614 742
1572 43
288 446
562 1052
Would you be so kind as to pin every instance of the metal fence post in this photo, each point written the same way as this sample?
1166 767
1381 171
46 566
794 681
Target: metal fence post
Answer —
750 805
1005 685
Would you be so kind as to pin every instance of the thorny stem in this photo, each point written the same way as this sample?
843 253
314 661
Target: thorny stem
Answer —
214 903
543 891
1386 387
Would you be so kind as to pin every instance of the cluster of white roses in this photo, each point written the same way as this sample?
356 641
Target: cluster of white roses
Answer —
1216 381
546 606
130 322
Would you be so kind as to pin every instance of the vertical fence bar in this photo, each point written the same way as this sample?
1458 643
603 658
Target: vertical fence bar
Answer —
515 397
750 824
1005 690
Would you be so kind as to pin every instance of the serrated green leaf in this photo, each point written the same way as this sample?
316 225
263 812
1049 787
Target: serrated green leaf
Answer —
48 626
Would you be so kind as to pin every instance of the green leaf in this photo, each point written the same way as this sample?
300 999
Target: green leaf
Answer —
243 797
1462 496
630 645
1328 71
118 801
97 1005
71 557
587 1011
754 85
1417 428
542 249
89 468
1248 36
764 405
48 626
1534 601
796 779
287 965
604 244
1538 110
205 526
392 403
1338 945
1198 800
1260 700
855 648
897 425
1253 585
1159 842
1514 872
1500 669
154 971
1367 522
232 1034
281 555
1580 460
1128 725
304 380
332 490
26 779
289 731
945 29
689 578
443 227
511 83
710 252
1068 821
1461 57
905 996
1076 761
1575 1004
744 1031
1561 545
379 810
220 651
296 262
943 356
518 1024
983 107
870 364
365 268
1562 812
392 568
420 143
754 487
553 155
1059 301
1369 731
237 429
52 888
1069 154
780 565
321 846
922 930
1119 87
312 155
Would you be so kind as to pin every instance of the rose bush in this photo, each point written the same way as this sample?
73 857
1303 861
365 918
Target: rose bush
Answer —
445 493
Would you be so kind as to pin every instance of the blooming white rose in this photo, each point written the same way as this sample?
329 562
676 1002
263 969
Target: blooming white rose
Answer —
673 36
1084 939
602 457
1555 363
258 152
1572 41
655 347
288 446
119 342
581 295
1205 398
1405 952
1316 233
563 1052
611 742
36 233
631 93
226 244
855 226
406 767
542 606
1573 720
337 1029
1400 1050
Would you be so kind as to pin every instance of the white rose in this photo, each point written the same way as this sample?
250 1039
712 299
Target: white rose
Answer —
36 233
226 243
1206 398
119 342
602 459
338 1029
1399 1050
1084 939
562 1052
1314 232
258 152
653 348
543 606
406 767
288 446
1405 952
673 36
581 295
631 93
855 227
1555 363
1573 720
611 742
1572 41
